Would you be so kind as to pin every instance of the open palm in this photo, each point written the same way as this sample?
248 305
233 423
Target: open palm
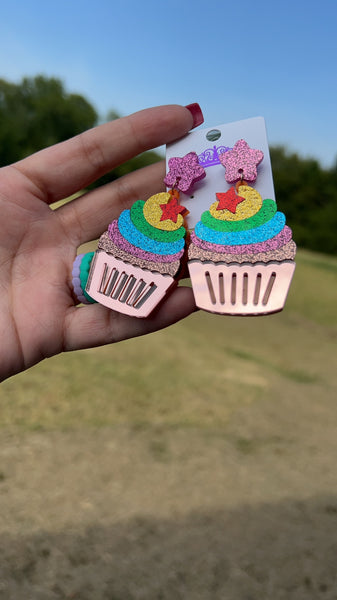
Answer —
38 312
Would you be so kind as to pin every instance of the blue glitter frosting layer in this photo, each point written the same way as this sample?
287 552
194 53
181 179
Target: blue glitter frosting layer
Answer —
237 238
135 237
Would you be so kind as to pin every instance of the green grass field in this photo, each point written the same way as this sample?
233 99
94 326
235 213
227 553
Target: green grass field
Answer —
194 374
197 463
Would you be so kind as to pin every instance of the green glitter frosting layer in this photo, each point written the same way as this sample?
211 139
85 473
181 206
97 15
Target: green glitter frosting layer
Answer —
159 235
266 212
84 273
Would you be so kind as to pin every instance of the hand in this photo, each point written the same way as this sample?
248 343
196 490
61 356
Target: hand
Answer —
38 312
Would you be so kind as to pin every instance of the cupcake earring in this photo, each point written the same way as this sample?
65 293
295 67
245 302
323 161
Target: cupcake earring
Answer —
139 257
241 253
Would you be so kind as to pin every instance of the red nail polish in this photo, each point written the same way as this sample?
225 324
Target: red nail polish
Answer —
196 113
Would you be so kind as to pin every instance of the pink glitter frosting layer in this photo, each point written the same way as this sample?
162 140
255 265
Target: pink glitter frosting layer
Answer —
107 245
273 244
121 242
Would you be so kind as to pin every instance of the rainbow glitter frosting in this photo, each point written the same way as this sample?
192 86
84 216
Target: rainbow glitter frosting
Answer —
141 238
241 254
255 232
139 256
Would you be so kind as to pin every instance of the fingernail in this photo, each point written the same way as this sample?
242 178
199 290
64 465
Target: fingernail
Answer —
196 113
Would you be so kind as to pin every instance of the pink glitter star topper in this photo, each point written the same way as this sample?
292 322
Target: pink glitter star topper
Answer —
241 162
184 172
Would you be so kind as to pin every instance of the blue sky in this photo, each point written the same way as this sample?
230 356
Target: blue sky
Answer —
238 60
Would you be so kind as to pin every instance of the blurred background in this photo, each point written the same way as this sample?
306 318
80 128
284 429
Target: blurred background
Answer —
198 462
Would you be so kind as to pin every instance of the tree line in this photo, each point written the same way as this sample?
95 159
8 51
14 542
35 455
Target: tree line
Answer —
38 112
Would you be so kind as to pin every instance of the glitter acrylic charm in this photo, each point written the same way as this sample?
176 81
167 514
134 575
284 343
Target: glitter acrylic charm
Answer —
241 251
139 257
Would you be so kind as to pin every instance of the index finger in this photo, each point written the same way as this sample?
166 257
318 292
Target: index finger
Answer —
70 166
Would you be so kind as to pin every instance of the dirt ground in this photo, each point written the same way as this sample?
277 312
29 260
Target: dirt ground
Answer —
248 512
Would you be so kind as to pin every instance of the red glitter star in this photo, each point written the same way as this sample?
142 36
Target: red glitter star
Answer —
171 210
229 200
